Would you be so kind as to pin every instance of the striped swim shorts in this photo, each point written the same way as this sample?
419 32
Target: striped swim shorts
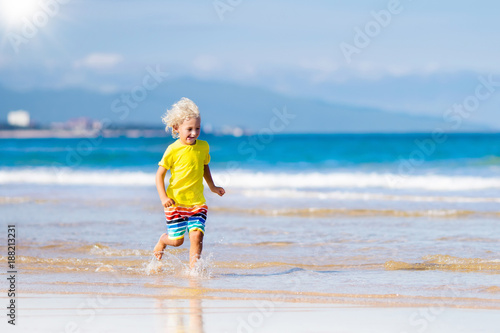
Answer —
179 218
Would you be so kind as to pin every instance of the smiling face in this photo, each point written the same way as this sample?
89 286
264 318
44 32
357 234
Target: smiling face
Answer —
189 131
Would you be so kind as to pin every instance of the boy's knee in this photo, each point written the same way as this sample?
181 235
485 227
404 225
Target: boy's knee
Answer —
177 242
171 242
196 236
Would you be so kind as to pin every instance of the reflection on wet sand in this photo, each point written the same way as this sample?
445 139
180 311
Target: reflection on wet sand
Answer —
181 315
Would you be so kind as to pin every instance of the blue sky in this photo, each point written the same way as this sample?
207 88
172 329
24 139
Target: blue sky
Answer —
437 49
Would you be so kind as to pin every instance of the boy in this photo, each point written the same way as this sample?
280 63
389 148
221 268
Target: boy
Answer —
187 159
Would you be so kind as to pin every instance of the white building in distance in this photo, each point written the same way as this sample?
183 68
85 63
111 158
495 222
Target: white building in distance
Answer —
19 118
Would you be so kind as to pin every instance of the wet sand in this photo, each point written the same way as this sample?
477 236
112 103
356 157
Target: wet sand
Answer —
103 313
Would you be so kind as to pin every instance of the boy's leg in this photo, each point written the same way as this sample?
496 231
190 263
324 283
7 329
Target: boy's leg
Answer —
176 227
196 238
163 242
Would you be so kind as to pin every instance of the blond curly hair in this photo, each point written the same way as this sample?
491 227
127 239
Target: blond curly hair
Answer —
183 110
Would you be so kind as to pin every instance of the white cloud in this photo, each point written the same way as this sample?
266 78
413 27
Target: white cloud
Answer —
431 68
99 61
206 63
319 69
375 70
108 88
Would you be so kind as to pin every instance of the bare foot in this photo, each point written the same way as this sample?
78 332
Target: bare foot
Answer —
158 250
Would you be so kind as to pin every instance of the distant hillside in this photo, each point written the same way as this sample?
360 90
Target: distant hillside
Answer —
221 104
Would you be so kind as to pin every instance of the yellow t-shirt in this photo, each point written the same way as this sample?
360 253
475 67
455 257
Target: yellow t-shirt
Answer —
186 164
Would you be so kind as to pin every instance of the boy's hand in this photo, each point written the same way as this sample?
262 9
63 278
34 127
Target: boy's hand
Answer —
167 203
218 190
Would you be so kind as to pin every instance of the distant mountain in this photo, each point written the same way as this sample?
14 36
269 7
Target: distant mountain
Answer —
222 105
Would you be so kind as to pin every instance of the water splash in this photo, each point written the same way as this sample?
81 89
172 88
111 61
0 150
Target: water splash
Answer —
169 263
173 265
153 267
203 268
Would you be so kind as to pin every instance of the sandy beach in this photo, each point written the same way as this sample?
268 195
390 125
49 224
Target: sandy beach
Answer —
103 313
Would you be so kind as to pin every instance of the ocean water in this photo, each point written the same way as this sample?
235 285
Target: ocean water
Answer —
377 220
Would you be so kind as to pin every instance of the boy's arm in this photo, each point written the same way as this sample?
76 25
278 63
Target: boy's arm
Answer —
160 187
210 182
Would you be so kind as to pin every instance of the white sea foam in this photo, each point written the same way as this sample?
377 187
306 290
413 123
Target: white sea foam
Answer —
360 180
343 195
47 176
259 180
